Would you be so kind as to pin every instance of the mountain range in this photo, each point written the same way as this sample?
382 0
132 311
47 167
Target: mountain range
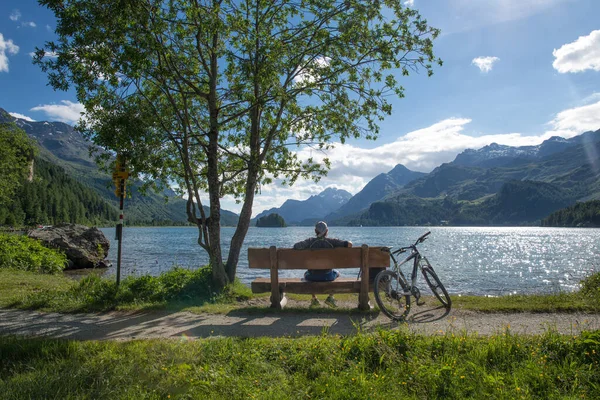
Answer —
493 185
307 212
496 185
378 188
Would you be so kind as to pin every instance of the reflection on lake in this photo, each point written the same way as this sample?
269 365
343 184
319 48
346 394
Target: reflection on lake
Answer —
477 260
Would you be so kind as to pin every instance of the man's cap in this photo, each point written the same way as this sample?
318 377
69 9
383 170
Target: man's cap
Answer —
321 228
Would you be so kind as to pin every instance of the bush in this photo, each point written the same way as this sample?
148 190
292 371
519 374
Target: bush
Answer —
96 293
178 284
590 286
21 252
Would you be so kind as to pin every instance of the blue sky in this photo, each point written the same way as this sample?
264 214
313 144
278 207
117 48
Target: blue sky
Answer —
515 72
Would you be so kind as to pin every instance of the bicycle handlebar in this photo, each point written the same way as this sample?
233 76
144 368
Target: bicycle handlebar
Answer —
419 240
422 238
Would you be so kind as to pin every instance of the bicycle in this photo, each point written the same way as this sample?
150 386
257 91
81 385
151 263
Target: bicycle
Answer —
393 290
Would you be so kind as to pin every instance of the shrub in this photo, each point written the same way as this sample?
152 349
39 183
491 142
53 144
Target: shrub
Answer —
590 286
178 284
21 252
96 293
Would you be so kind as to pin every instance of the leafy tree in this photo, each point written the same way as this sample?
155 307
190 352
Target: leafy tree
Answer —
17 152
216 95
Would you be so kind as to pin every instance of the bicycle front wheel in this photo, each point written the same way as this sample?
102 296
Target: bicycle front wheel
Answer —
437 287
391 295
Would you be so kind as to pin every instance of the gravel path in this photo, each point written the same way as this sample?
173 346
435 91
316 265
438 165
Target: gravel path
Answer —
153 324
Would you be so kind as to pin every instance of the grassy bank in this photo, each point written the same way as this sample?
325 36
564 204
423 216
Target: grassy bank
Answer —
31 278
387 364
174 290
192 290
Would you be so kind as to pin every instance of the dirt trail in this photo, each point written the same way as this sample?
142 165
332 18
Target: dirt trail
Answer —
154 324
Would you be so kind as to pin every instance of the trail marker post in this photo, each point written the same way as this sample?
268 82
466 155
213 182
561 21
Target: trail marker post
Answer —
120 176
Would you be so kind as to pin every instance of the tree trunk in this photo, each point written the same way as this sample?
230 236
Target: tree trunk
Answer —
214 187
214 221
243 224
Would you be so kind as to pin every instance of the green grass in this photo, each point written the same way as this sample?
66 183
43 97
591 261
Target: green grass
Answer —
383 365
559 302
177 289
181 289
17 285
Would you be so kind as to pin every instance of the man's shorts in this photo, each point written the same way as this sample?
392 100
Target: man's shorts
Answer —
321 277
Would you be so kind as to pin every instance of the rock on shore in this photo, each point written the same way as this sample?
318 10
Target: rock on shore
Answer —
84 247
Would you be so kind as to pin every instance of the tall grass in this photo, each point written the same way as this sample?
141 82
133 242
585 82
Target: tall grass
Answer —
176 288
387 364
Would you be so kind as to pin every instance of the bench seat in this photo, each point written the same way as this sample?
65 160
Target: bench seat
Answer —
300 286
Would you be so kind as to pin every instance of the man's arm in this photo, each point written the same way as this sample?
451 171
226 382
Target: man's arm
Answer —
339 243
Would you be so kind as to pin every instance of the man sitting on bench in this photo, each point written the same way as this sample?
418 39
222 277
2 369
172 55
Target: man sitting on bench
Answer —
321 242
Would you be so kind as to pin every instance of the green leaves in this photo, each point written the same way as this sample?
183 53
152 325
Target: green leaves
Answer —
21 252
17 152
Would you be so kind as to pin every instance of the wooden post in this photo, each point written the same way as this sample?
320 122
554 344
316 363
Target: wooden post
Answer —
120 229
363 297
275 294
119 177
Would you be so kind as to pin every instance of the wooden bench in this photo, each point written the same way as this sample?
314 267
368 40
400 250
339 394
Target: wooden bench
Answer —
275 259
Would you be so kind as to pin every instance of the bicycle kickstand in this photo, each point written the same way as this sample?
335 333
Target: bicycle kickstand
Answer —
418 298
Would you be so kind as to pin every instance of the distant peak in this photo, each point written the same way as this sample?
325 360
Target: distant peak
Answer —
399 168
332 190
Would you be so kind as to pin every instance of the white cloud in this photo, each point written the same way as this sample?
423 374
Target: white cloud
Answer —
310 72
409 3
6 46
579 119
15 15
580 55
29 24
21 116
421 150
67 112
485 64
49 54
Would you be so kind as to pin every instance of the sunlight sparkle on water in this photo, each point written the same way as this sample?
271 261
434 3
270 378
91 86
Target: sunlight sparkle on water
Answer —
473 260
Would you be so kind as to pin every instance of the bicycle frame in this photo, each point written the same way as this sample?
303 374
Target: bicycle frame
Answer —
389 297
412 285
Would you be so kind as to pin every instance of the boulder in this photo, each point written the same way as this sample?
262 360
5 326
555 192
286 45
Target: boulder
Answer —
84 247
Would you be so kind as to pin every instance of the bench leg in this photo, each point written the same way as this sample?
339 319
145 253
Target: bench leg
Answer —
363 302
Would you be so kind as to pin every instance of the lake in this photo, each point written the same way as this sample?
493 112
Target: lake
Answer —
469 260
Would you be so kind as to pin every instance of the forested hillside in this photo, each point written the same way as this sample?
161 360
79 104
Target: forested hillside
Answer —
585 214
62 146
52 197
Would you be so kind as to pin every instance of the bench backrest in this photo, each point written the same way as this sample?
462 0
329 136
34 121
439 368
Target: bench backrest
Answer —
341 257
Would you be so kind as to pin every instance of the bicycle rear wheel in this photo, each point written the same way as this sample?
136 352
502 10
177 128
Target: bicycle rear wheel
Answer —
437 287
390 295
